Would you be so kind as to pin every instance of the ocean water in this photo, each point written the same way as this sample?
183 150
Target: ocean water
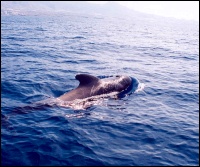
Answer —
159 125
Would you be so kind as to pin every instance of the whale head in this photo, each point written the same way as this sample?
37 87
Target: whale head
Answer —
132 87
119 83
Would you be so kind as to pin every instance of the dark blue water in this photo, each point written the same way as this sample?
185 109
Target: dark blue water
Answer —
40 56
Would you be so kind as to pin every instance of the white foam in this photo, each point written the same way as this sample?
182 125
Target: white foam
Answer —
140 87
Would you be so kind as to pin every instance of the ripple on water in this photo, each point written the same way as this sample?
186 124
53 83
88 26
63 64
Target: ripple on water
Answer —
157 125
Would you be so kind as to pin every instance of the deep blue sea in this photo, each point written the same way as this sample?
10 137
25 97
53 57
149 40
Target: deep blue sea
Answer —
40 57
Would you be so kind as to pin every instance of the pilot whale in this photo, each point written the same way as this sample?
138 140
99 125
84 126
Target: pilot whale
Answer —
91 86
86 93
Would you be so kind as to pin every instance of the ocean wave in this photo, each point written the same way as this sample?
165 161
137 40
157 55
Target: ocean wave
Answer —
156 125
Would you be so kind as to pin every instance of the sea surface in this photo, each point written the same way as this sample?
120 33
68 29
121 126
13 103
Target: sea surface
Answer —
40 57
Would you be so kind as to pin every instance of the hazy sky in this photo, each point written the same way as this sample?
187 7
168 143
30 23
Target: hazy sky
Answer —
179 9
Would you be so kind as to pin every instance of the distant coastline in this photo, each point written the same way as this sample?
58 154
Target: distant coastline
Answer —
109 9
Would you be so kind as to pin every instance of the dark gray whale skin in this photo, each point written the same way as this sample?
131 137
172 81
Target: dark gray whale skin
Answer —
91 86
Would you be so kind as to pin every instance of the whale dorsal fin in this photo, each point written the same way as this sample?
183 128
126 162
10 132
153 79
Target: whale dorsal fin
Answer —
85 79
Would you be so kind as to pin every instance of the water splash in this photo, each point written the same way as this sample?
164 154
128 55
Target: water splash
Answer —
140 87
